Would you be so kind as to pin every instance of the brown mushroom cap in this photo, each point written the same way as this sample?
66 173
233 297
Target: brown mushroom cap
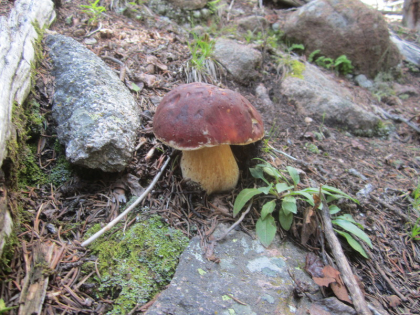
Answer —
199 115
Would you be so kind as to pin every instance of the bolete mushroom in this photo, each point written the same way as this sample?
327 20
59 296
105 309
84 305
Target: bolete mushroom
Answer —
202 121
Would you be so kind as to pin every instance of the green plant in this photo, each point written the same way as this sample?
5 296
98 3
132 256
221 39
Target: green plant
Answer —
295 47
343 65
212 5
201 66
282 190
93 10
415 230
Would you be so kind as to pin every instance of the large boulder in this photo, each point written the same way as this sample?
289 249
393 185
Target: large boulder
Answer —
97 117
242 61
317 95
248 279
345 28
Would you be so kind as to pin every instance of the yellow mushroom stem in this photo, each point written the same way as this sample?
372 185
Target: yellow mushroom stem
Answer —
214 168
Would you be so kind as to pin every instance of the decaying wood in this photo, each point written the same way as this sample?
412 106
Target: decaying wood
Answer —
349 280
6 222
38 269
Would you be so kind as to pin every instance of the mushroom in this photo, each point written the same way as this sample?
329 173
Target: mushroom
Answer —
202 121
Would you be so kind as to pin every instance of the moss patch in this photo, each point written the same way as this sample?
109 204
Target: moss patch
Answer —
135 264
297 69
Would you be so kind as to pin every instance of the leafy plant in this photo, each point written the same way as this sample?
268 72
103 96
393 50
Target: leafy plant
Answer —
295 47
201 66
415 231
282 190
212 5
343 65
94 10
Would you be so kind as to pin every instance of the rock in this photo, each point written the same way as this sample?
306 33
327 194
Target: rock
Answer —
320 97
242 61
189 4
344 28
247 272
179 10
96 115
362 81
253 23
410 52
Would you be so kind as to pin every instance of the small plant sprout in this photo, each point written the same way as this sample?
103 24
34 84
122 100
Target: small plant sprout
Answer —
342 64
201 67
283 195
94 11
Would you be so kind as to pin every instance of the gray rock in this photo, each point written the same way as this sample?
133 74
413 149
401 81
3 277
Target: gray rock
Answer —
247 271
315 95
242 61
348 28
253 23
96 115
364 82
189 4
179 10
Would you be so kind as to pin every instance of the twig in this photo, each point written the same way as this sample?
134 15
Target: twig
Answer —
392 208
400 119
236 299
230 8
95 31
343 265
111 224
393 287
236 223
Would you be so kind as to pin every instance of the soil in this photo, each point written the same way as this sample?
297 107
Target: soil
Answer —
61 214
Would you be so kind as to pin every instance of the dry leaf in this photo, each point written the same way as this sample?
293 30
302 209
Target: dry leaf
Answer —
323 282
309 225
393 300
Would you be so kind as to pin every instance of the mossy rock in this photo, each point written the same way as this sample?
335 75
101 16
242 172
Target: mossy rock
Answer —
135 264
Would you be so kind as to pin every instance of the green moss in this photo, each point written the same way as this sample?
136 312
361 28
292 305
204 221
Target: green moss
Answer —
297 69
135 264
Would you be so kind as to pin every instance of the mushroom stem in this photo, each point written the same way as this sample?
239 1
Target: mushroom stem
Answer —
214 168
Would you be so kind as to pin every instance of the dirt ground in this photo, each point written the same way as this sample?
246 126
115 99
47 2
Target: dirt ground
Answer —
61 215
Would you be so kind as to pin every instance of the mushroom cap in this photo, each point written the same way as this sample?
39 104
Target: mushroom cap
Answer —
197 115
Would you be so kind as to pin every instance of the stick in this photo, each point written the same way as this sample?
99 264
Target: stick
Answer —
236 223
343 265
111 224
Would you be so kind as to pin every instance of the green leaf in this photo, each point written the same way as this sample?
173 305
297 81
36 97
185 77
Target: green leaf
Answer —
293 174
135 87
258 172
243 197
266 190
286 219
289 204
350 227
327 189
280 187
353 243
308 197
334 209
267 209
266 230
271 171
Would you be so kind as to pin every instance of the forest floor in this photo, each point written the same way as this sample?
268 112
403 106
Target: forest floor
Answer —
61 214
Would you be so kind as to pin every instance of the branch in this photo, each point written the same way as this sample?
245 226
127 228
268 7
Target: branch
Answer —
343 265
111 224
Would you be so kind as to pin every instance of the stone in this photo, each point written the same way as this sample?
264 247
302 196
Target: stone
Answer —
253 23
257 277
318 96
189 4
242 61
96 115
348 28
362 81
178 10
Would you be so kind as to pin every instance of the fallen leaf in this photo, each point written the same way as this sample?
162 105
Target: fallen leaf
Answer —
323 282
309 225
393 300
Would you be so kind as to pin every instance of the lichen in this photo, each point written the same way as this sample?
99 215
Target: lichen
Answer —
135 264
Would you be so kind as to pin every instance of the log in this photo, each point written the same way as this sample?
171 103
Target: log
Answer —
36 280
17 53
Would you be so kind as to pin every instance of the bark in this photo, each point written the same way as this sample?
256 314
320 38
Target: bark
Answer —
411 14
